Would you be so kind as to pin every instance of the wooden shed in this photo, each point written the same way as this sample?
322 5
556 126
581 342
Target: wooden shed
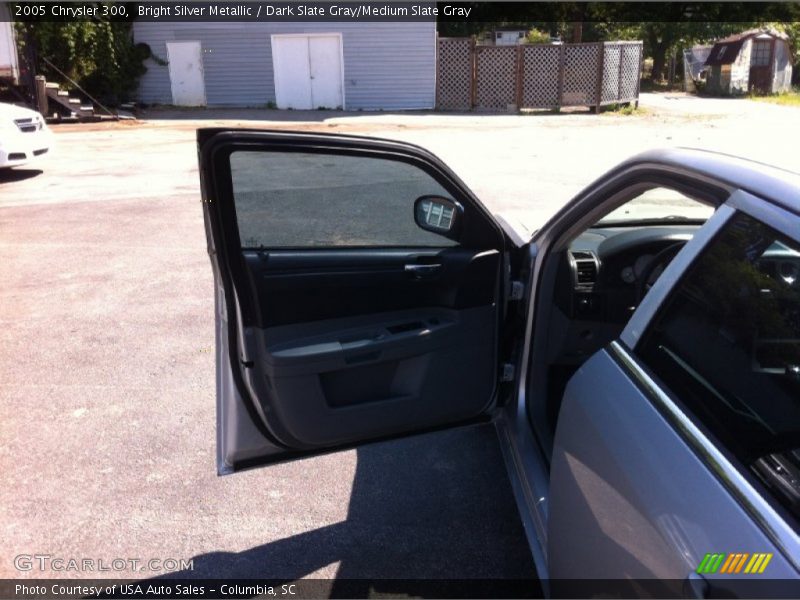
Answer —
757 60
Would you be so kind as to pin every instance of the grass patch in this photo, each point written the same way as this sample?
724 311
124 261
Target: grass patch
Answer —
786 99
623 110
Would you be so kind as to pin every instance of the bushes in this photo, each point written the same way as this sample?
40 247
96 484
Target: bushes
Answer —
535 36
99 55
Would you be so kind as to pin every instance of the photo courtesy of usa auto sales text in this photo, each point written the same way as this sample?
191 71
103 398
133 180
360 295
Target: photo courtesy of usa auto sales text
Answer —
152 590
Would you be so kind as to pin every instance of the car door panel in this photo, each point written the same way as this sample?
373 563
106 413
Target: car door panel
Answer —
327 346
333 380
649 514
637 472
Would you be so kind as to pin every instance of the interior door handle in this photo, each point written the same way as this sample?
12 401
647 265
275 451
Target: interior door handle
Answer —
423 271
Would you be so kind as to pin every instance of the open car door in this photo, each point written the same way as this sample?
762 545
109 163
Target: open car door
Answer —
359 291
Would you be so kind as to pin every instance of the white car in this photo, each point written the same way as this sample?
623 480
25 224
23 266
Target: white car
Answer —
24 135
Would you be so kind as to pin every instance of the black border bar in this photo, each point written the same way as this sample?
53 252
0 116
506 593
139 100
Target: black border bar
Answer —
394 11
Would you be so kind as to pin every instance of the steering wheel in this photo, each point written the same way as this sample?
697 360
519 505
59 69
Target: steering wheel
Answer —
652 272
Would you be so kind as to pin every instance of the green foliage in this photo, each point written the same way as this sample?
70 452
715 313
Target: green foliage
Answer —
665 27
626 110
536 36
99 55
675 26
785 99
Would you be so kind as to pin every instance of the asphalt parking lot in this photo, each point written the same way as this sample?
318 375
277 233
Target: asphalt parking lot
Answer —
107 374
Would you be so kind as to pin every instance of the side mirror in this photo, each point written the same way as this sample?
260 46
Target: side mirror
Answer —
439 215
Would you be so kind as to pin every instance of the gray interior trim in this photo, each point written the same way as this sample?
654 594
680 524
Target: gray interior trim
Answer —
664 285
772 524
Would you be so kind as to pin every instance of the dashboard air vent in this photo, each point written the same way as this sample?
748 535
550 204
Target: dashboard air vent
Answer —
585 269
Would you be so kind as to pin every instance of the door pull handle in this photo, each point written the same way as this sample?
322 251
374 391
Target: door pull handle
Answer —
423 271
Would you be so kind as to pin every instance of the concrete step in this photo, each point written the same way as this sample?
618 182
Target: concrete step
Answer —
51 85
63 93
74 100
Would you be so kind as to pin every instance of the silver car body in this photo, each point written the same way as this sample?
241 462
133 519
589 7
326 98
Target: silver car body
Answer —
635 489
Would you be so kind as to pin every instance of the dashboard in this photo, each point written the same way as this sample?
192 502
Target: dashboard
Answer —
607 267
600 281
598 284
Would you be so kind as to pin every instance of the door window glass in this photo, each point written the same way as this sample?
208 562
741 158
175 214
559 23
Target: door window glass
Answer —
294 199
727 344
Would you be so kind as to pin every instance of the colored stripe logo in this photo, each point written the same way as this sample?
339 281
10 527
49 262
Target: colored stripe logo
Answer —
735 562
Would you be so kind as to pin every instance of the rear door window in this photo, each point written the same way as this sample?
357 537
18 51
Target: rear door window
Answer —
727 344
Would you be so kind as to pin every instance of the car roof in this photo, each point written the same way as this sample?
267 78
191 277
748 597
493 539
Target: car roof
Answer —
779 186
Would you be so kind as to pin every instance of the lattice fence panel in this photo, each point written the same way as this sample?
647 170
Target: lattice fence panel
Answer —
581 62
612 55
487 77
631 72
454 74
496 72
540 76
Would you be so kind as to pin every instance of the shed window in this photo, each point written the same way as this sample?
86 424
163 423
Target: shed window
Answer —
761 52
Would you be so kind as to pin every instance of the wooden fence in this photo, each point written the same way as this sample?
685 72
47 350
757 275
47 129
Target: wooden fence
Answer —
536 75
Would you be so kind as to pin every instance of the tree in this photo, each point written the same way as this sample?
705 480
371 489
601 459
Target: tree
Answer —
99 55
671 26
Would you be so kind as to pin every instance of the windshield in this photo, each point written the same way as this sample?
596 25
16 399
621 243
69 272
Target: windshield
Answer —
659 204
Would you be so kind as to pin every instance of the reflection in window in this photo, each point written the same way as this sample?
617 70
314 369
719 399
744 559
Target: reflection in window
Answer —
296 199
727 344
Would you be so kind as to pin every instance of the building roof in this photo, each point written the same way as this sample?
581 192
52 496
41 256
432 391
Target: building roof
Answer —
727 49
766 31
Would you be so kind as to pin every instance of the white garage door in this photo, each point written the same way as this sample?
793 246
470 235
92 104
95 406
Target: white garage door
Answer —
308 71
186 73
